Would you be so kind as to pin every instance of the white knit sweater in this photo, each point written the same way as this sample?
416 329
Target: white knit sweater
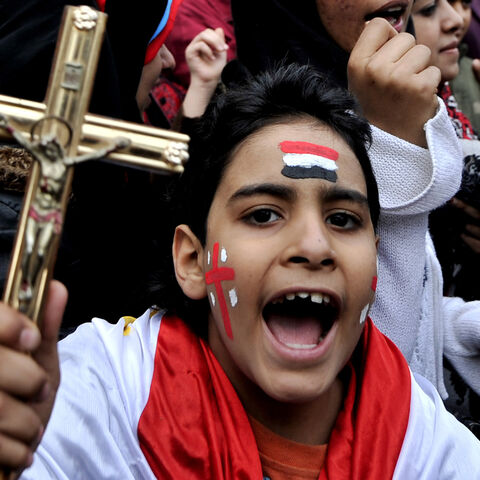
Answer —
409 306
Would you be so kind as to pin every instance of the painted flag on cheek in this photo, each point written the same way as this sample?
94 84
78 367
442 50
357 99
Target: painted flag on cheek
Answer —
307 160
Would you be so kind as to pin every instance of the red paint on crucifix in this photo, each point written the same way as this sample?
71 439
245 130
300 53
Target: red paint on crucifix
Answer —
216 276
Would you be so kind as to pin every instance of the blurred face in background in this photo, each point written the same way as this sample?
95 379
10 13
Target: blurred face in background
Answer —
464 9
151 71
440 26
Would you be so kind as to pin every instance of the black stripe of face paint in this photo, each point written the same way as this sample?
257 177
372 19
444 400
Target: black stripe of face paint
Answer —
312 172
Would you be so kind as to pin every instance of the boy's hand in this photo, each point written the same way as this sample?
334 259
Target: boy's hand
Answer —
29 378
393 82
472 235
206 56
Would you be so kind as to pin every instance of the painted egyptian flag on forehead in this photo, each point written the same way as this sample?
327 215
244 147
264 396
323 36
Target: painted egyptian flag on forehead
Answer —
307 160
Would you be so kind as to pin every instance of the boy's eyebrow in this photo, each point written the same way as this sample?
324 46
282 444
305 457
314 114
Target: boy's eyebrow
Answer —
275 190
332 194
340 193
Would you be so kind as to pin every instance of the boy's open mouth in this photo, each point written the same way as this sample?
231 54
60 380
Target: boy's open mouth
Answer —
301 320
393 14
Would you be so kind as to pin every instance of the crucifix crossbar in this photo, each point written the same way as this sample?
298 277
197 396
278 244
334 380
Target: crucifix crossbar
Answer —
59 134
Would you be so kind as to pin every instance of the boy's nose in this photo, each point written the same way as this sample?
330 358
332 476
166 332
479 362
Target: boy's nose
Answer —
311 246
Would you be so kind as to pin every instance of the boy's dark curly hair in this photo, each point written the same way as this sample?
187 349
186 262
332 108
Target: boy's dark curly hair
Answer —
277 96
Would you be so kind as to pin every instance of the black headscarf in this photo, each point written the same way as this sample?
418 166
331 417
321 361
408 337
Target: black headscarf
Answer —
273 31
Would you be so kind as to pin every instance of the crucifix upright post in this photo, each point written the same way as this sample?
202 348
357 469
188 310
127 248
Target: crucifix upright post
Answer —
60 134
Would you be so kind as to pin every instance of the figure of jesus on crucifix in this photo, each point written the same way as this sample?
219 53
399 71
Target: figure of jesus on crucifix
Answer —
45 217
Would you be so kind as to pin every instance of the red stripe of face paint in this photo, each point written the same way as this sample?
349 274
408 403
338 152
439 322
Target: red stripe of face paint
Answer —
310 148
216 276
374 284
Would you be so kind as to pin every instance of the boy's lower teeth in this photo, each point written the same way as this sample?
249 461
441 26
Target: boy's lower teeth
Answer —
307 346
301 346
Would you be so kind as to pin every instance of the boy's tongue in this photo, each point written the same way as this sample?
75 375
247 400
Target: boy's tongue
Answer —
294 330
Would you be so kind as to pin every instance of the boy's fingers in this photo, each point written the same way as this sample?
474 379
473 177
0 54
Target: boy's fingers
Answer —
14 454
15 368
375 34
16 330
18 420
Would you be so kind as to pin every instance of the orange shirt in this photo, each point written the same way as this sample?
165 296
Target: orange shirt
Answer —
284 459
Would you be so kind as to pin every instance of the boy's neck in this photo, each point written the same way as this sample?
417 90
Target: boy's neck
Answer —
308 423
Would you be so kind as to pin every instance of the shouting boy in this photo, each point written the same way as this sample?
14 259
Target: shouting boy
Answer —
262 359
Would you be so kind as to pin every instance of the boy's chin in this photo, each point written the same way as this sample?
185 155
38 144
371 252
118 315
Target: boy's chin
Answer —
299 391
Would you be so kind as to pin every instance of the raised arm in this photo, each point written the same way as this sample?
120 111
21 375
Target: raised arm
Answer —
116 144
206 56
20 138
391 77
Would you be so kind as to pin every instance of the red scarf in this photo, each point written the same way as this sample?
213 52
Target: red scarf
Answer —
195 427
461 123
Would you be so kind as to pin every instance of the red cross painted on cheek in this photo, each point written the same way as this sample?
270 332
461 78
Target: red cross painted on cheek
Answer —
216 276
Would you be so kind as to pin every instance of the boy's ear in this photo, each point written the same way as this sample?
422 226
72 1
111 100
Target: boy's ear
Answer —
187 254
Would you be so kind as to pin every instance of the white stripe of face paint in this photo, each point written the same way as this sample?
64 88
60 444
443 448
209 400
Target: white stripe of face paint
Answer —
208 258
308 160
233 297
212 299
364 313
223 255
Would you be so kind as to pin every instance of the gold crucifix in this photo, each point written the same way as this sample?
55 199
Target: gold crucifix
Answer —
59 134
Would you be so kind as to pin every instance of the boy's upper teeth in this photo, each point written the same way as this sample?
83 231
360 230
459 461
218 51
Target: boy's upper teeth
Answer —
314 297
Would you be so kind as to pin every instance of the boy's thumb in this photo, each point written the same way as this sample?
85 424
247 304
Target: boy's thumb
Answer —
46 354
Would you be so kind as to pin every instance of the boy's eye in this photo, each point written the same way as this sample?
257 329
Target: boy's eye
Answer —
262 216
343 220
